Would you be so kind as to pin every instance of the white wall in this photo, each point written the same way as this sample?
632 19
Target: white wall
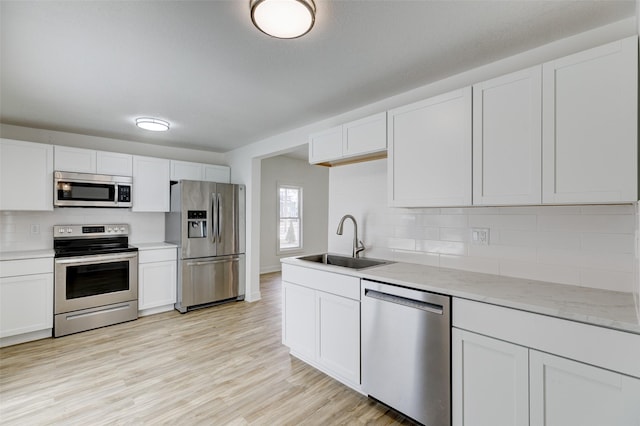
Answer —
15 227
245 161
591 246
315 197
107 144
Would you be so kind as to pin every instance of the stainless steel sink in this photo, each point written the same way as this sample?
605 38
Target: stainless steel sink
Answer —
344 261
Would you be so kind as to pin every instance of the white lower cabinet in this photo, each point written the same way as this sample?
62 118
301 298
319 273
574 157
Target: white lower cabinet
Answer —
490 381
299 319
322 328
511 367
339 334
570 393
26 300
157 280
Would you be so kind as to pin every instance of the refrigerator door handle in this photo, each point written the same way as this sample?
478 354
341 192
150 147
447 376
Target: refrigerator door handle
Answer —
214 217
219 218
213 262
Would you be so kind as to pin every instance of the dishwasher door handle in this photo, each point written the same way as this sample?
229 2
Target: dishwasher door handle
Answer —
399 300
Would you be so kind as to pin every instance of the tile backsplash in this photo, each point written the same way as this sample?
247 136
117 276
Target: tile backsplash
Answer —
34 230
591 246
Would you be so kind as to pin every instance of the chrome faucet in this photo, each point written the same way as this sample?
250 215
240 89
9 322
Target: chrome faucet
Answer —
358 245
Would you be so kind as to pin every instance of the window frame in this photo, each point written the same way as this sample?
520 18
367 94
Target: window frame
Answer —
300 189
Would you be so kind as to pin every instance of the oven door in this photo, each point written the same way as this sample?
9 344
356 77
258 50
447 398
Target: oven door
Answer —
89 281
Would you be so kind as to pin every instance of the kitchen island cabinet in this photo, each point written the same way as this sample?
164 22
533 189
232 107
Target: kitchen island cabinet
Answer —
321 321
429 162
26 299
26 176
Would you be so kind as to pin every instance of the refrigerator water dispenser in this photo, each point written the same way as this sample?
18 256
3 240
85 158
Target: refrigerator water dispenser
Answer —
197 224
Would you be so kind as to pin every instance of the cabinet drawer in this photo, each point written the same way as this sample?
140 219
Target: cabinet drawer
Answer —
599 346
159 255
13 268
329 282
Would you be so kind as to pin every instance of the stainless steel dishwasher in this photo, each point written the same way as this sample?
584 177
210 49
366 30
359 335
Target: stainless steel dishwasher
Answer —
406 351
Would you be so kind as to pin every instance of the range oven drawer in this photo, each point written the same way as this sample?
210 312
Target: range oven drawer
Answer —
88 319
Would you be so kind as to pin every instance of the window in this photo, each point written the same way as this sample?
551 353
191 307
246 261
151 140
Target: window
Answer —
289 218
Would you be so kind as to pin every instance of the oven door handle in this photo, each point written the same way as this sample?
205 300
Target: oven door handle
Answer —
101 258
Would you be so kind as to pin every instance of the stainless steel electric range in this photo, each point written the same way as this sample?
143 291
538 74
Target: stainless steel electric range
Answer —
96 277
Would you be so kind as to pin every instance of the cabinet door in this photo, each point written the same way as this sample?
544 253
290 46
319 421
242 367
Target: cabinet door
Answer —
26 175
339 335
186 170
77 160
326 145
569 393
507 139
365 136
157 284
299 319
114 163
213 173
430 152
150 184
590 123
26 304
490 381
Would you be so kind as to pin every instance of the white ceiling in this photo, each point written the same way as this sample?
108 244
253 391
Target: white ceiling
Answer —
91 67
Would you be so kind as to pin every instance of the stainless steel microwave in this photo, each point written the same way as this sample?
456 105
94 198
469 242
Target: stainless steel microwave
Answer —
91 190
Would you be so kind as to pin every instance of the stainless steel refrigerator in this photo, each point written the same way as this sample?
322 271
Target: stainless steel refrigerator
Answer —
207 222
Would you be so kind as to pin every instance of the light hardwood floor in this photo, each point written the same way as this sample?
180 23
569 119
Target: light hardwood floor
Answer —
224 365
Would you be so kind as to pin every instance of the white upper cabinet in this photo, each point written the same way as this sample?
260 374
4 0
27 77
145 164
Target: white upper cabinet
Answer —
367 135
354 140
214 173
151 184
430 152
114 163
81 160
185 170
590 123
198 171
26 175
326 145
507 139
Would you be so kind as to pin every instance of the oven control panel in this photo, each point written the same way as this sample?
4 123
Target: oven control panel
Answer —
61 231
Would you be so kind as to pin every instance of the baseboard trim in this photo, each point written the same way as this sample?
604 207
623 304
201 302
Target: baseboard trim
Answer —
269 269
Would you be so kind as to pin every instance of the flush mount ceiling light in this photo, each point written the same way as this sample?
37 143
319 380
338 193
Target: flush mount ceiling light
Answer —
153 124
283 18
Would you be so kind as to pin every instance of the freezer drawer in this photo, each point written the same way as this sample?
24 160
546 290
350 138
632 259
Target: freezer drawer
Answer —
209 280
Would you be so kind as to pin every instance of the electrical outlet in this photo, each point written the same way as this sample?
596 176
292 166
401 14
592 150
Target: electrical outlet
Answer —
35 229
480 236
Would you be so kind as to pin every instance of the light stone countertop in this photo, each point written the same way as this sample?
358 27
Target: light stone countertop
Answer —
154 246
26 254
611 309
